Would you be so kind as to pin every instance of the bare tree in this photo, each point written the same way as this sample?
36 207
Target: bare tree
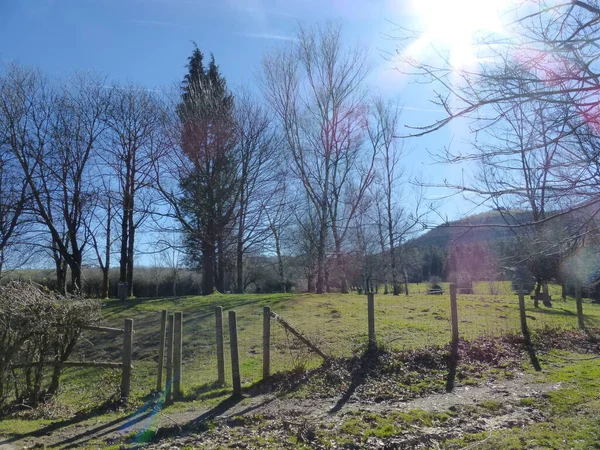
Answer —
305 239
101 227
57 132
314 86
169 253
134 142
258 145
531 102
279 218
545 62
14 193
382 130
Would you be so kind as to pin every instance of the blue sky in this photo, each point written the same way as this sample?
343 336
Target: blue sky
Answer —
148 41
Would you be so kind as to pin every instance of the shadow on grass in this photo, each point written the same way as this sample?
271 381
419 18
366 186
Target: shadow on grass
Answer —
198 425
279 384
367 360
56 426
452 365
551 311
533 358
204 308
204 391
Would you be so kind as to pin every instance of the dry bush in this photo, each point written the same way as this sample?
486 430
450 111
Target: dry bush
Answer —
37 327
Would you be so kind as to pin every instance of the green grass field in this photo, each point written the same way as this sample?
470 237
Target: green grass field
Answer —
336 323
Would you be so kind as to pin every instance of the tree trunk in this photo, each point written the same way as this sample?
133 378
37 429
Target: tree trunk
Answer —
579 302
538 288
104 293
75 267
321 287
61 269
124 239
546 296
106 268
405 281
564 291
130 246
240 266
2 256
208 265
310 282
61 276
280 266
220 282
342 268
393 266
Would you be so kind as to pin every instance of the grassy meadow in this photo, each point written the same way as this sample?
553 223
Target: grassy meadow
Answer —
336 323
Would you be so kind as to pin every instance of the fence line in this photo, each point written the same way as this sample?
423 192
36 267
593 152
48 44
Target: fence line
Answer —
424 321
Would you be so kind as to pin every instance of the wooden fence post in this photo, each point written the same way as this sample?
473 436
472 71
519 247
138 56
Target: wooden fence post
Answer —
161 350
454 344
525 331
220 350
266 342
235 359
169 380
579 304
523 314
177 353
371 318
454 308
127 351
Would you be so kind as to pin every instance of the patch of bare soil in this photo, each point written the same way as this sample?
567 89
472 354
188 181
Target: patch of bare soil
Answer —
285 417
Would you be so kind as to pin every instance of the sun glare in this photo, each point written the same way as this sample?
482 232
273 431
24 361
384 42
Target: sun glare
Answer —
452 26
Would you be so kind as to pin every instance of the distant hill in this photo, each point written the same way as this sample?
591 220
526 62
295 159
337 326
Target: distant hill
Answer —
459 231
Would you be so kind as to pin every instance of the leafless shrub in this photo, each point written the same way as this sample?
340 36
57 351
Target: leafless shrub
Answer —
38 327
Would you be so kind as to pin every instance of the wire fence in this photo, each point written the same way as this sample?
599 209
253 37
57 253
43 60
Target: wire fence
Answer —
338 326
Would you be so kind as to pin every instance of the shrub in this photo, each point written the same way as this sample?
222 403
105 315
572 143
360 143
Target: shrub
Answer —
38 326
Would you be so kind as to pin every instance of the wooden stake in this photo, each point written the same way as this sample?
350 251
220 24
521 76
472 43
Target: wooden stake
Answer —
161 350
579 303
220 350
266 342
525 331
523 314
127 351
169 380
371 319
177 353
299 335
454 308
235 358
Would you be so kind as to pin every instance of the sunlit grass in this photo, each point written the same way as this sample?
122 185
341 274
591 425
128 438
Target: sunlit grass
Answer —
336 323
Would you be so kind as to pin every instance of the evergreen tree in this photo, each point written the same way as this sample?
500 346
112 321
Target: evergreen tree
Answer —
211 184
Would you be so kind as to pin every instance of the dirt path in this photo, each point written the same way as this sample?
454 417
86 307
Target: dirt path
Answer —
507 390
73 435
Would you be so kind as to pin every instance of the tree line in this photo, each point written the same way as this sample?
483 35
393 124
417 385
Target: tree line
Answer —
303 176
303 173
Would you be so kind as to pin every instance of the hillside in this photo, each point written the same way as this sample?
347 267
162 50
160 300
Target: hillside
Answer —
469 230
